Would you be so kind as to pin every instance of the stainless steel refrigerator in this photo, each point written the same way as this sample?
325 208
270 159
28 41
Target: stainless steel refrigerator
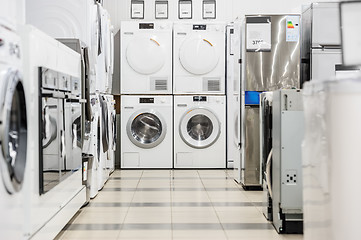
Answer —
270 61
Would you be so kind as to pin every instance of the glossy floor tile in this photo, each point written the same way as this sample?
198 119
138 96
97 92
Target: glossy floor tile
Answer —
173 204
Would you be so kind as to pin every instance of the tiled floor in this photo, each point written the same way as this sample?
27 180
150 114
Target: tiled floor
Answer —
173 204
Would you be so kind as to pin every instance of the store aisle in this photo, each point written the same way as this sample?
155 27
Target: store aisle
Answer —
173 204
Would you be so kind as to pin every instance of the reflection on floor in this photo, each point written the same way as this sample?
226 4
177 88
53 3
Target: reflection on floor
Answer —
173 204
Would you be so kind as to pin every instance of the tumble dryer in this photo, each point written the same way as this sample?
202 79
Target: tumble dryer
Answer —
8 14
199 131
146 131
13 138
146 58
199 58
103 174
70 20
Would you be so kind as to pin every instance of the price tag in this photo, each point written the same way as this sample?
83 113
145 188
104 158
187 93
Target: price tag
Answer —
137 10
161 10
185 9
258 35
209 9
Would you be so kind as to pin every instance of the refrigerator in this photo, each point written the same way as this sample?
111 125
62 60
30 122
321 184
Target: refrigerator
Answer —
233 71
321 51
270 61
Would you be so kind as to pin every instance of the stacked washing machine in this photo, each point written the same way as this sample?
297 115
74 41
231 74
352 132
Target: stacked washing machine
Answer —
93 29
13 127
146 95
199 95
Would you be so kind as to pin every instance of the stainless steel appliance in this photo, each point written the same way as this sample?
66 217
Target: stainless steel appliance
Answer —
287 178
266 151
270 61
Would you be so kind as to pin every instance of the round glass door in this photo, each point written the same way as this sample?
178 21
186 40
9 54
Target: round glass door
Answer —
198 56
13 132
199 128
145 55
146 129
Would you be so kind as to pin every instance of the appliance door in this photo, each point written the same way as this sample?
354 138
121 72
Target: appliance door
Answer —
52 143
199 128
146 129
199 55
77 137
275 69
104 123
13 131
323 62
326 25
145 54
251 167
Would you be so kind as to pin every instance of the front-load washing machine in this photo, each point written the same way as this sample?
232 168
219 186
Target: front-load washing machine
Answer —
13 138
146 58
199 58
199 131
103 174
110 163
146 131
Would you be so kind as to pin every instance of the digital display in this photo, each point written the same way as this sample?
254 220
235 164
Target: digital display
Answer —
146 100
199 27
146 25
199 99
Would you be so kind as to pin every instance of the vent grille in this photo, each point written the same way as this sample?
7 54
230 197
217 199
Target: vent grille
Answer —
214 85
161 85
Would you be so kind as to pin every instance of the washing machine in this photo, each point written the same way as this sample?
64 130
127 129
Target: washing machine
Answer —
199 131
94 143
199 58
103 174
13 137
146 131
110 163
146 58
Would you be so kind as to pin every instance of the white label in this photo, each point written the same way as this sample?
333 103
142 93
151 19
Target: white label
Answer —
259 37
185 10
85 169
137 10
292 28
161 10
209 10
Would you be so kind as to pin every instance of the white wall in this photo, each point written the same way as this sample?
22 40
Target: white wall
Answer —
227 10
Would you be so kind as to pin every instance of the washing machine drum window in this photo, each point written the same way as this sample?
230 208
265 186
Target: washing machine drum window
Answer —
145 55
199 128
198 56
13 132
146 130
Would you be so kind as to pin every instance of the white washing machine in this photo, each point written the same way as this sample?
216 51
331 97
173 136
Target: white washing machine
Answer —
146 58
13 138
199 58
68 19
146 131
103 173
110 163
94 144
199 131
